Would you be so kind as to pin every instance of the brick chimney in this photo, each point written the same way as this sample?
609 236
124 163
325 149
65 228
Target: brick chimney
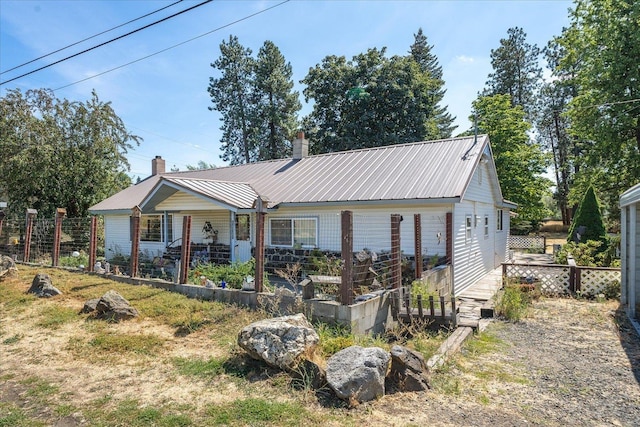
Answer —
300 147
157 166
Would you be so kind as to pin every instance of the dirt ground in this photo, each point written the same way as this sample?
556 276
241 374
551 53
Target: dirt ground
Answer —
571 363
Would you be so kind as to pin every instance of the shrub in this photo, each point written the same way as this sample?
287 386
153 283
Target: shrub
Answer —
587 223
418 287
514 303
233 274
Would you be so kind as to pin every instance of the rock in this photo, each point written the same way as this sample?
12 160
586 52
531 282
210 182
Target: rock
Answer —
409 370
112 306
280 342
7 266
42 286
357 374
90 305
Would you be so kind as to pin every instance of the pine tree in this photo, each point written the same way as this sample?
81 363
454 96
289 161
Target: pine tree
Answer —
421 52
587 223
276 103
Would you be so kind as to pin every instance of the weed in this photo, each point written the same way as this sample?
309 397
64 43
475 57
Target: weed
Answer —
12 416
38 387
199 368
514 303
12 340
258 412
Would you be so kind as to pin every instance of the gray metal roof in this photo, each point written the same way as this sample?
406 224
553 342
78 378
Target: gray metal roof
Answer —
430 170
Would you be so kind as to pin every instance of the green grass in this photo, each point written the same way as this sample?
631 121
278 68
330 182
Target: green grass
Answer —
39 388
200 368
13 339
129 412
54 316
256 412
13 416
121 343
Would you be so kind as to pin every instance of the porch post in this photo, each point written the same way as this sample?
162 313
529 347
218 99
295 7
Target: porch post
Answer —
396 268
417 239
31 214
346 284
93 243
449 242
57 231
259 252
232 235
136 213
185 252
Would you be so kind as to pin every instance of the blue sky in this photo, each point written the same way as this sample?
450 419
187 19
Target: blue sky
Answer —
164 98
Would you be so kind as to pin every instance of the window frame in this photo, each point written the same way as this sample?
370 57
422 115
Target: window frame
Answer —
486 226
292 230
161 232
499 220
468 228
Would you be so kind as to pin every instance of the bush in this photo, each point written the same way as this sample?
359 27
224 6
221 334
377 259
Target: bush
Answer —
233 274
514 303
588 254
418 287
587 223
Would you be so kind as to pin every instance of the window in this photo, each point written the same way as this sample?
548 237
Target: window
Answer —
486 226
243 227
152 228
467 229
499 219
293 232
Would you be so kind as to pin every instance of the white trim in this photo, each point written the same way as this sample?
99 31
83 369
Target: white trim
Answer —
630 196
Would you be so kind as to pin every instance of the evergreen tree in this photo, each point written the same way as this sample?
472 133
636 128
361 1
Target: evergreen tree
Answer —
587 223
516 71
232 96
276 103
421 52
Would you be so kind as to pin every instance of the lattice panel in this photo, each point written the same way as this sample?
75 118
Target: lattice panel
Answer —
594 282
551 280
526 242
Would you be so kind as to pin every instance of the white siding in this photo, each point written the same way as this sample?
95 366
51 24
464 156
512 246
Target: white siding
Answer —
116 235
186 202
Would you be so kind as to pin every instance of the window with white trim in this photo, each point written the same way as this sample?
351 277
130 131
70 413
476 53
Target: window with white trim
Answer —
152 228
467 229
486 226
293 232
499 218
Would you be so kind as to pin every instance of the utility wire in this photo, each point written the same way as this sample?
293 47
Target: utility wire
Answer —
174 46
89 38
107 42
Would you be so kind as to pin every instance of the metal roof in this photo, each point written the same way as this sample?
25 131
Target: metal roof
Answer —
429 170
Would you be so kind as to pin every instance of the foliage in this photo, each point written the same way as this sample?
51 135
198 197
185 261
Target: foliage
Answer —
60 153
516 71
373 100
74 261
324 264
514 303
419 287
253 411
587 223
589 253
256 101
599 55
233 274
519 162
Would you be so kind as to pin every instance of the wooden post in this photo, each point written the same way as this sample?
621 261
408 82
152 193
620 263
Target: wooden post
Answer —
572 279
396 256
185 252
420 313
449 242
93 243
346 283
2 216
259 250
578 280
417 238
31 214
136 213
57 232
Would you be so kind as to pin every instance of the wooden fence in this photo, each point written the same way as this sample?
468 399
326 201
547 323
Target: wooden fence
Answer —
554 279
432 311
534 244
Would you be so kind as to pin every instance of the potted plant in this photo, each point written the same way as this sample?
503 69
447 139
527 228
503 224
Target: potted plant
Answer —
209 232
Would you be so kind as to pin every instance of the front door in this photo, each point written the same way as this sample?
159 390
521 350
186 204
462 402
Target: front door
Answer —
243 238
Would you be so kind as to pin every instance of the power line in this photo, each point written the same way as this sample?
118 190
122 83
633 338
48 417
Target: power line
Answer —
89 38
107 42
174 46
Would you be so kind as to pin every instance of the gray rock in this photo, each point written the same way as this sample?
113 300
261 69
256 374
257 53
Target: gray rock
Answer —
357 374
113 306
7 266
409 370
90 305
280 342
42 286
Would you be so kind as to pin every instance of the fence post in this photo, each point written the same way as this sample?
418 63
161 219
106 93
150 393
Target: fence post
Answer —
57 231
346 282
396 255
572 279
417 239
31 214
449 242
93 243
136 213
2 216
578 280
259 251
185 251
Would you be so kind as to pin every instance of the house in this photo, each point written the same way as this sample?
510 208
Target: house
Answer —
451 183
630 250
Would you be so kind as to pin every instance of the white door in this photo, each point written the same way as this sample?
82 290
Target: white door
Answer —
243 238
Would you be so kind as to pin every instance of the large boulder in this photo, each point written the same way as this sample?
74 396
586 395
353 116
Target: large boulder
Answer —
113 306
357 374
280 342
42 286
408 370
7 266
